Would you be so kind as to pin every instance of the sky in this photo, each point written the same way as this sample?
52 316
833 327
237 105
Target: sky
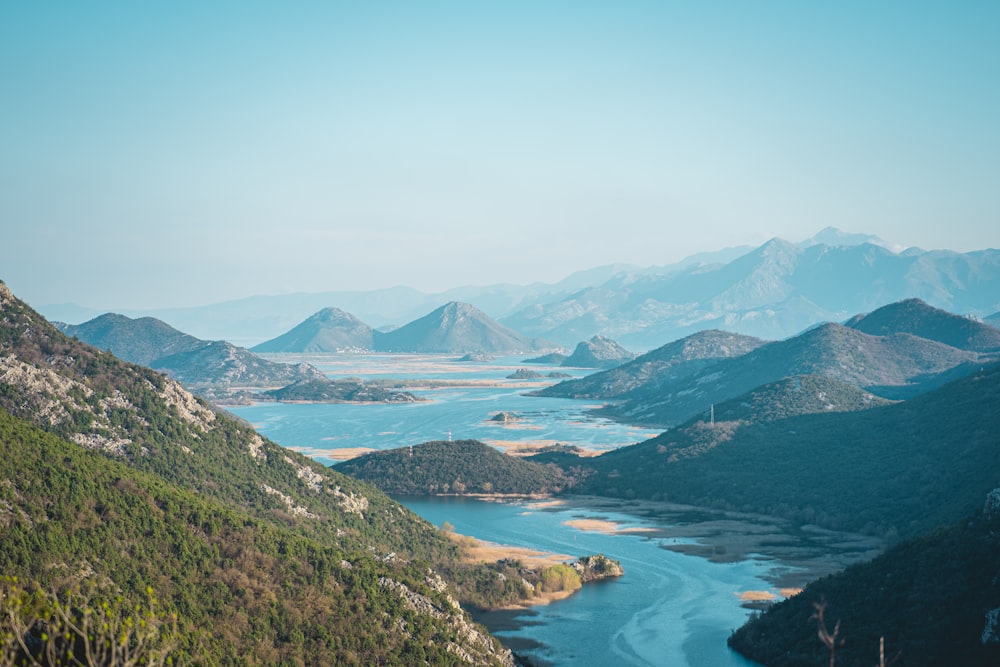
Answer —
181 153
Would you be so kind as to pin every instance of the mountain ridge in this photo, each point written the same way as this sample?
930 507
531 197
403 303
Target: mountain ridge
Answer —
897 365
642 308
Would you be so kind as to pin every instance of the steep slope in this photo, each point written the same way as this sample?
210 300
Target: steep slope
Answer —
915 317
598 352
141 341
934 600
455 328
894 470
247 588
329 330
136 483
792 396
661 366
892 366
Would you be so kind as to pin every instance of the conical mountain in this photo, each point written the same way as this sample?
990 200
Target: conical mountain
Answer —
329 330
453 328
598 352
915 317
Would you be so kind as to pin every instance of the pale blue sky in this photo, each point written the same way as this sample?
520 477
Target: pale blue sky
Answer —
167 154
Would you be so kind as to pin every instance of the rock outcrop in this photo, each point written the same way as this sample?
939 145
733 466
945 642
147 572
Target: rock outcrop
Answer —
597 567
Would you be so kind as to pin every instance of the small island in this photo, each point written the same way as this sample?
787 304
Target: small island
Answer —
337 391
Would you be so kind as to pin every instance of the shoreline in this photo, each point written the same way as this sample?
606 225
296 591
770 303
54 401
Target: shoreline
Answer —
806 553
477 551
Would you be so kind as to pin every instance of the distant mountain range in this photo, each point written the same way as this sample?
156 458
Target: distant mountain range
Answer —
774 291
223 372
189 360
671 384
454 328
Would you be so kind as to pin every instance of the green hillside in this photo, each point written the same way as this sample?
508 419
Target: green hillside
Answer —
894 471
931 599
246 589
460 467
124 480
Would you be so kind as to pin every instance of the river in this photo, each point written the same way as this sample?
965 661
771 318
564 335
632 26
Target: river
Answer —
688 572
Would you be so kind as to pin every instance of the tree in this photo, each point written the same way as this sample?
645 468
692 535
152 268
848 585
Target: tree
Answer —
79 628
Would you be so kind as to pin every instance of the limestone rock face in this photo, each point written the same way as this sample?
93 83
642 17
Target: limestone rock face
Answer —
594 568
505 418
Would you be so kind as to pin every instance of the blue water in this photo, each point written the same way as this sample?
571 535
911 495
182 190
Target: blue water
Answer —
670 608
459 412
667 609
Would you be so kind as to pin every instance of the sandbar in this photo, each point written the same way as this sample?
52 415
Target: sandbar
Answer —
531 447
604 526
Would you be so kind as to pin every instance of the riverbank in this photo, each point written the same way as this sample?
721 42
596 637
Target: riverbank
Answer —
478 551
805 553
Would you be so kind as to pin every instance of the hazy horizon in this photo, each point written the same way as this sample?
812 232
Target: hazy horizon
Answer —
187 154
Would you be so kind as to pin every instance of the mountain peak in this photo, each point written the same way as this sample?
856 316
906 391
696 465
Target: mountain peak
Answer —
327 330
832 236
598 352
916 317
455 327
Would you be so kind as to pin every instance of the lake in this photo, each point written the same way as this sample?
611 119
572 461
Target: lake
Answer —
687 571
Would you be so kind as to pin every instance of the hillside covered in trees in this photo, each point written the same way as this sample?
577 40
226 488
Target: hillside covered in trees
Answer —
932 600
115 478
459 467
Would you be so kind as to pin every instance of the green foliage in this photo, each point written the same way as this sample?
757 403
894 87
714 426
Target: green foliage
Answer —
560 577
893 471
927 597
342 391
459 467
264 556
78 627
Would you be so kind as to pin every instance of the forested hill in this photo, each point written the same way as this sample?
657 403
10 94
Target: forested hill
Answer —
459 467
934 600
665 364
894 470
124 480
